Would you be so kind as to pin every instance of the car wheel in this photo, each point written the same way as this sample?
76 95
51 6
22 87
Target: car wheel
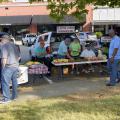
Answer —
22 43
27 43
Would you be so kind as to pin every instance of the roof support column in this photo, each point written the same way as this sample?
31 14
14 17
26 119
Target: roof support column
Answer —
33 28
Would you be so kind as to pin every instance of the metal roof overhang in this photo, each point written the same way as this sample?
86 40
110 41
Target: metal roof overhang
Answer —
46 19
37 19
14 20
106 22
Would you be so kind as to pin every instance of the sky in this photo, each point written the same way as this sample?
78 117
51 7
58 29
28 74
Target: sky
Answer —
21 0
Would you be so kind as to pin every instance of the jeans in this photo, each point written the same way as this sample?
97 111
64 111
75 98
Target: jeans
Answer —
113 69
9 73
0 74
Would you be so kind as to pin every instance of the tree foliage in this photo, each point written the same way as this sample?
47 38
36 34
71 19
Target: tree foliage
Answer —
3 1
60 8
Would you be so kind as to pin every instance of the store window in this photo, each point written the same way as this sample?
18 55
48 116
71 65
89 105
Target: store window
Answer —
99 28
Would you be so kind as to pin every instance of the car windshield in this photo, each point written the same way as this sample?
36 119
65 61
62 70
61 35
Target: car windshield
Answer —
31 35
58 37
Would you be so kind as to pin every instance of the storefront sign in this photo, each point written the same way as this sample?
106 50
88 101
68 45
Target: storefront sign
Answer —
65 29
105 39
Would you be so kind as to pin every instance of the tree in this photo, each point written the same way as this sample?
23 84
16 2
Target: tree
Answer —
60 8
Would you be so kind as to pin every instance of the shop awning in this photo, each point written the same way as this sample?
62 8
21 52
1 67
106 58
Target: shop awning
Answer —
45 19
14 20
106 22
38 19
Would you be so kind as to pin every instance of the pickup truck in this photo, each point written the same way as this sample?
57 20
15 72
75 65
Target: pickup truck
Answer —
53 39
29 39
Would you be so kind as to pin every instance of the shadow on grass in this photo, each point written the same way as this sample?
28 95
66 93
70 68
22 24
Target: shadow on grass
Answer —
51 109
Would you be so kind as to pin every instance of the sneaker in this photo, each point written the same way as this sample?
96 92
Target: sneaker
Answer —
109 84
83 70
78 73
91 70
5 102
48 80
118 80
14 99
86 71
72 72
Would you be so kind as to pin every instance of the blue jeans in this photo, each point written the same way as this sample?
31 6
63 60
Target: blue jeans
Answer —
61 57
9 73
113 69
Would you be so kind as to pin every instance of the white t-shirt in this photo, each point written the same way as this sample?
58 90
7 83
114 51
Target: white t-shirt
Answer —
87 53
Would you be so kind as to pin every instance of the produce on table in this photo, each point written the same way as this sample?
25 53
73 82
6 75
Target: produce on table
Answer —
103 57
60 60
31 63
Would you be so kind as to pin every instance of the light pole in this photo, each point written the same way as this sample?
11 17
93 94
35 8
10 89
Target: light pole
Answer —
6 8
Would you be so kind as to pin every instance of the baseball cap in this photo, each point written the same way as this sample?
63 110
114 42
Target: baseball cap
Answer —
4 35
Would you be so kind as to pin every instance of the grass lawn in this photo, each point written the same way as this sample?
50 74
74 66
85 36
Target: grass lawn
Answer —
63 108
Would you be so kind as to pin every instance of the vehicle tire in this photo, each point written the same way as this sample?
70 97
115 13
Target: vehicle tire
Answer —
22 43
27 43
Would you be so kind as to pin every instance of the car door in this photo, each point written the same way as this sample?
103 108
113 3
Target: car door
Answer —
46 37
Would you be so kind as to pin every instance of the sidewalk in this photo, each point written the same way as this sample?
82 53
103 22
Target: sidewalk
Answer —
63 88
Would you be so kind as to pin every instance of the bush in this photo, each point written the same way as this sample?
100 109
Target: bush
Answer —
99 34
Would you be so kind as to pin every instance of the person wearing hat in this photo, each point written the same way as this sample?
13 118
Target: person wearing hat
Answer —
10 66
113 58
1 34
88 52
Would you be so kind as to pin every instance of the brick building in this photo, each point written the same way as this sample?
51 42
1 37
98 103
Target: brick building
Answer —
25 17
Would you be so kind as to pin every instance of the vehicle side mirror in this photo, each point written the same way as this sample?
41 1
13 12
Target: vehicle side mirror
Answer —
52 40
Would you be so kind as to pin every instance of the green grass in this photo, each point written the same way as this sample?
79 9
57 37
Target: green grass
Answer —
62 109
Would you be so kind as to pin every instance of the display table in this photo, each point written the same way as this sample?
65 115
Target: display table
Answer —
39 69
61 65
77 63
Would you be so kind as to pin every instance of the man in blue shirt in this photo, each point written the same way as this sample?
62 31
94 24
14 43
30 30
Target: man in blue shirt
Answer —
63 49
114 57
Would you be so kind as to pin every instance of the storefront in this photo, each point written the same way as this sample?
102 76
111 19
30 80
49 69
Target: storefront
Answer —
105 18
23 18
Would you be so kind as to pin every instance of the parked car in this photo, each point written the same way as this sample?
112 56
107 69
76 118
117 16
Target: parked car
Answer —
86 36
29 39
53 39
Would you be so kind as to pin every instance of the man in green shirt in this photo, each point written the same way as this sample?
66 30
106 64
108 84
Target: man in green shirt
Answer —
75 48
75 52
